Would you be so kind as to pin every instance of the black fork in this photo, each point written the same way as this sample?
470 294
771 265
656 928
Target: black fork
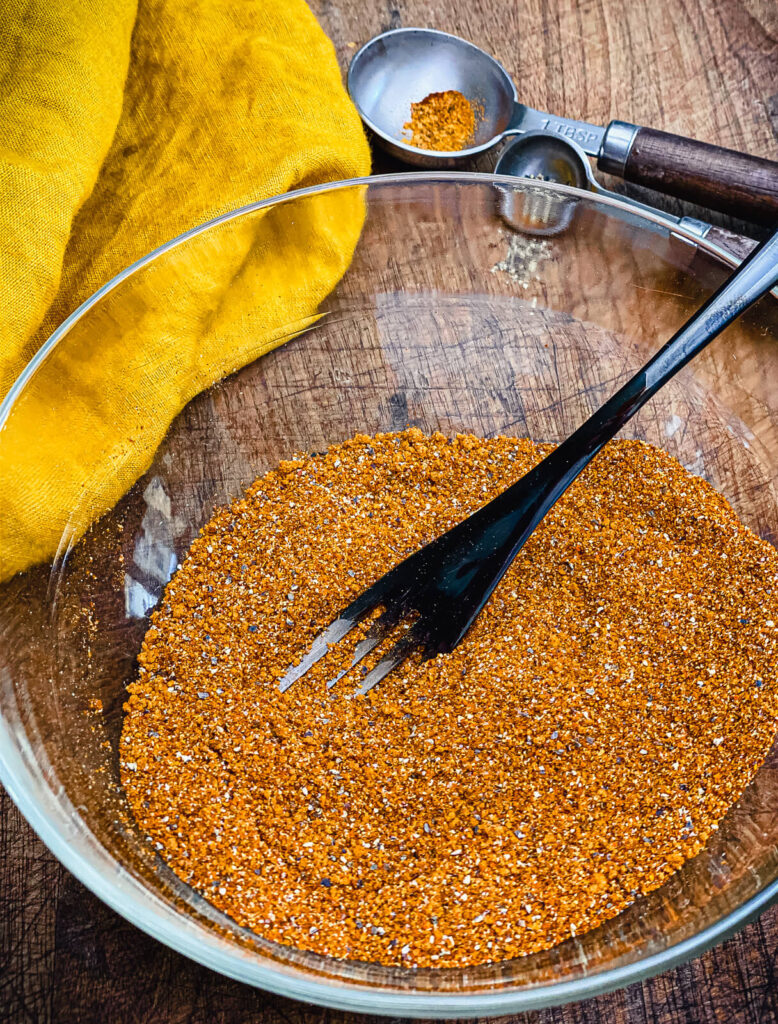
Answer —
447 582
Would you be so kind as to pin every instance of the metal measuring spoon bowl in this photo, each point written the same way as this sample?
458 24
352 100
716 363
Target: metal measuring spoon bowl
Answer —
543 157
547 157
403 66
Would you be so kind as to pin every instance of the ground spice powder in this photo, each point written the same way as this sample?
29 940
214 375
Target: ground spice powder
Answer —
611 702
441 121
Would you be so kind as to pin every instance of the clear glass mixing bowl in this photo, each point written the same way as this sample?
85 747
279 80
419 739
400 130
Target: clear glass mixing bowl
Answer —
448 318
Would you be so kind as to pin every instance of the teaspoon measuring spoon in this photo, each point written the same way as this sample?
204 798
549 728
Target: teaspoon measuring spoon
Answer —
552 158
402 66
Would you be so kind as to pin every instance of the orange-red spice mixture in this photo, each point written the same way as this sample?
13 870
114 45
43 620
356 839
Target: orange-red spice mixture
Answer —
443 121
613 699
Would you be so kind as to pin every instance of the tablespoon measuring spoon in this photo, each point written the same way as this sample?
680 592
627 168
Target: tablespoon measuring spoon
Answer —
402 66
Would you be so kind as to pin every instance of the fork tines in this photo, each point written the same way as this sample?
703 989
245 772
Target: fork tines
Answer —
383 626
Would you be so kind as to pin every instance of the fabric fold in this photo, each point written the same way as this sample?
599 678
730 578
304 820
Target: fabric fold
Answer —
223 105
62 75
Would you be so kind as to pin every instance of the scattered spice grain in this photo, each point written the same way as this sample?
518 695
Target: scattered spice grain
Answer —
612 700
442 121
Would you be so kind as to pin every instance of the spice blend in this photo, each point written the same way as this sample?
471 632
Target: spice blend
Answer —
442 121
612 700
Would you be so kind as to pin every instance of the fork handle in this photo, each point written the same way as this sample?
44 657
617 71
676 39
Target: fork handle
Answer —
757 274
496 533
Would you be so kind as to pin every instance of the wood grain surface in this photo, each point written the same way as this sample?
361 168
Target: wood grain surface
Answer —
706 68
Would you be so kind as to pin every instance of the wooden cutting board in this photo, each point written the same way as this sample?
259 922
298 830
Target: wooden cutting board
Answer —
706 68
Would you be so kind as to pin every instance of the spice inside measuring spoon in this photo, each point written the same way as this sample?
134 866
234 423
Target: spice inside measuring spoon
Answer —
443 121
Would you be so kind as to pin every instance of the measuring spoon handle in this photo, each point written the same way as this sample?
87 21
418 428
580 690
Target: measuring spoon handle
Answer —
735 183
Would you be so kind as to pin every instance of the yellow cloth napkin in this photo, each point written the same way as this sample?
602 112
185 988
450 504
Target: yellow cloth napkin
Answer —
120 131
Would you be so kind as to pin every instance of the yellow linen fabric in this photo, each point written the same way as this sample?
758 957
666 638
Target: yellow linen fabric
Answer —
62 75
223 104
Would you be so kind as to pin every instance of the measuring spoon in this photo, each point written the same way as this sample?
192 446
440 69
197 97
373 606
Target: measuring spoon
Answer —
548 157
402 66
543 212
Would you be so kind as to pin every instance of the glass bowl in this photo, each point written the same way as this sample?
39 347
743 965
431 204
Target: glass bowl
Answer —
449 317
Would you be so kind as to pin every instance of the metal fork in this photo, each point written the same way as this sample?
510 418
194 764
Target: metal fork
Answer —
447 582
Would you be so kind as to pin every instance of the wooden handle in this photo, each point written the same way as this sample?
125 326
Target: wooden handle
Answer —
735 183
688 256
739 245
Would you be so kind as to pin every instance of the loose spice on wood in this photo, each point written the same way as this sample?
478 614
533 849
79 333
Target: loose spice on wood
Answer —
442 121
613 699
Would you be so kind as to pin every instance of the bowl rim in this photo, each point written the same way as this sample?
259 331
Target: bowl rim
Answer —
18 780
641 213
